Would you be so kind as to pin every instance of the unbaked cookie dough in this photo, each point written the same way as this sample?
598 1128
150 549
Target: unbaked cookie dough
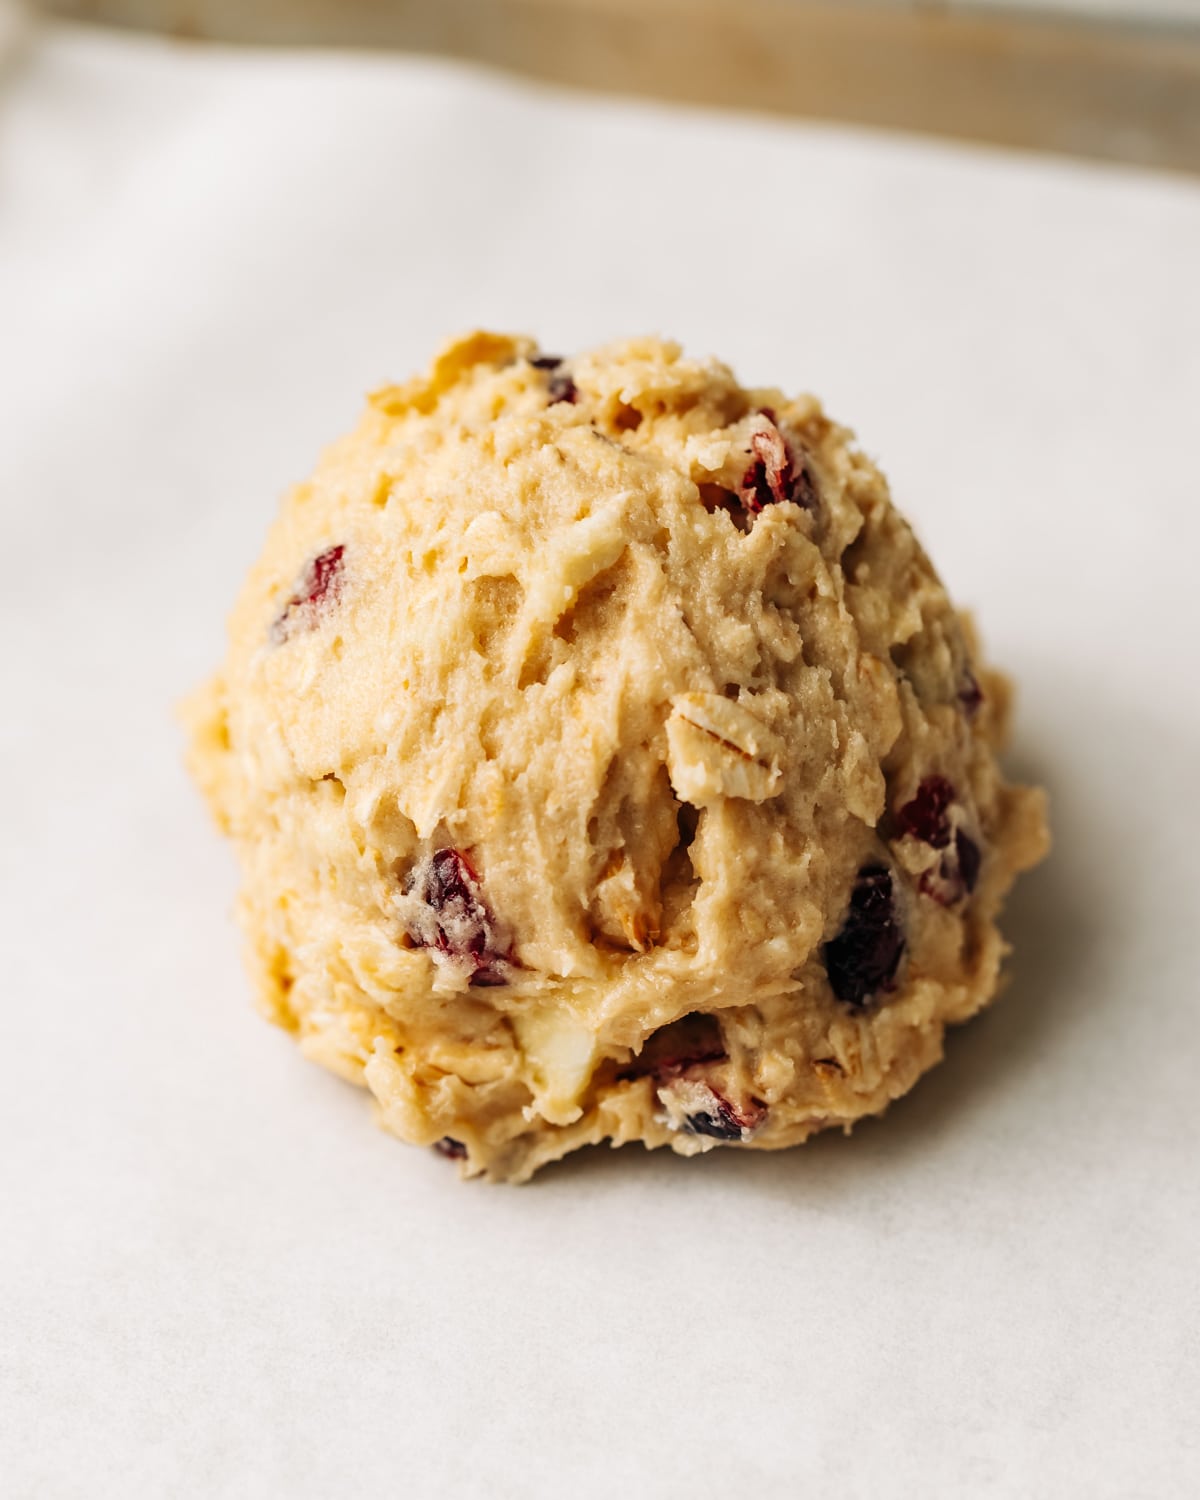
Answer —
606 762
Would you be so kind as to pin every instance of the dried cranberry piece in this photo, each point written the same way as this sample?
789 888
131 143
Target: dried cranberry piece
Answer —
768 479
804 487
721 1122
925 816
453 918
970 694
956 873
774 474
969 859
452 889
698 1108
863 958
451 1148
320 586
560 386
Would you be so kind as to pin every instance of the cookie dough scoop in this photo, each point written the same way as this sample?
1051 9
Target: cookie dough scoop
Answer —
606 762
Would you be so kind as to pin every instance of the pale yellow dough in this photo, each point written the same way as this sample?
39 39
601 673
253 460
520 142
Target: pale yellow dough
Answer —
664 733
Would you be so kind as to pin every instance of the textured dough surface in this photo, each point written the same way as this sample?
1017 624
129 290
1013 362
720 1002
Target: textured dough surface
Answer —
606 761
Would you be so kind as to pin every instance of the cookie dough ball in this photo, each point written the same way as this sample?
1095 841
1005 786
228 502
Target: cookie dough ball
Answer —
606 762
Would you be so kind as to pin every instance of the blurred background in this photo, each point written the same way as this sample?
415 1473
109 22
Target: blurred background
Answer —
1117 78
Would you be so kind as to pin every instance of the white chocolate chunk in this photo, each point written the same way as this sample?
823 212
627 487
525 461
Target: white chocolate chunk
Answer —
560 1053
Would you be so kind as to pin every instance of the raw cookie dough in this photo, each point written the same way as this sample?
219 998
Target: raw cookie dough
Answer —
606 762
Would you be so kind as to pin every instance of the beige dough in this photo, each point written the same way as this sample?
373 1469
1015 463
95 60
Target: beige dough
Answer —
606 762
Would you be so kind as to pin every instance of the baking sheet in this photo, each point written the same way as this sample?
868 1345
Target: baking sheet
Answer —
218 1278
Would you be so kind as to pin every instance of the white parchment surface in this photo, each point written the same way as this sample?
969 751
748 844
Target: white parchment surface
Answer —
218 1278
